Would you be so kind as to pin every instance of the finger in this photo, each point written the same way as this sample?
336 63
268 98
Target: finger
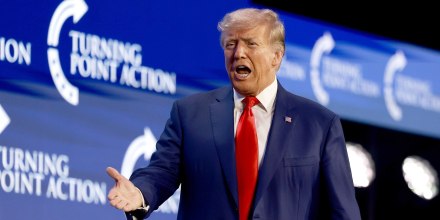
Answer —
114 202
112 194
121 204
113 173
129 207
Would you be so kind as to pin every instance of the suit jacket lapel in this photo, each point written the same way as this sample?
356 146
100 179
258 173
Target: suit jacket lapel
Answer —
222 118
275 146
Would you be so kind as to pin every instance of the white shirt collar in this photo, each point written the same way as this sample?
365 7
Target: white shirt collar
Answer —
266 97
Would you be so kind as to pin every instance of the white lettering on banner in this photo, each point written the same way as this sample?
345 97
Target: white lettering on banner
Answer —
77 190
114 61
98 58
416 92
403 89
14 51
21 183
336 74
28 172
148 78
291 70
348 76
109 49
36 162
93 68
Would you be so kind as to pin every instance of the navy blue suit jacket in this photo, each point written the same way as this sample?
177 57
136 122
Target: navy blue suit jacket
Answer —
305 172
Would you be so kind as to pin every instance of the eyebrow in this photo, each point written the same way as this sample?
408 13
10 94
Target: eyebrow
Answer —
239 38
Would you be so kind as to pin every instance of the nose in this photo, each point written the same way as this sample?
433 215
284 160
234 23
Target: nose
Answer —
240 51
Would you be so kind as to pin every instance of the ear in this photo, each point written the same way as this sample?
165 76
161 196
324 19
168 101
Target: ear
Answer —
279 53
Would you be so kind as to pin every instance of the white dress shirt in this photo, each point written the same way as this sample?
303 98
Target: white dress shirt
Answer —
263 113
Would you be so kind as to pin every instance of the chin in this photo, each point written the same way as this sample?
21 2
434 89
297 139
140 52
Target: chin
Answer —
245 92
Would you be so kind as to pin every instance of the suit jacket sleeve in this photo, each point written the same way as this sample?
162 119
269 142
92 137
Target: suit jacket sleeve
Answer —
337 176
158 181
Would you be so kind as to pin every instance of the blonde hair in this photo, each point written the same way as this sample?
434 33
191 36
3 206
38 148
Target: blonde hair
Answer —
248 18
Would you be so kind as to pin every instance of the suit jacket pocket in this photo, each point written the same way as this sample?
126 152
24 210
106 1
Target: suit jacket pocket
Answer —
300 161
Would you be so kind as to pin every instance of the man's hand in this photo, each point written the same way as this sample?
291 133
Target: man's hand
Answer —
124 195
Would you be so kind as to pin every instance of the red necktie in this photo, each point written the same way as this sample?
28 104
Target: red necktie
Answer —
246 156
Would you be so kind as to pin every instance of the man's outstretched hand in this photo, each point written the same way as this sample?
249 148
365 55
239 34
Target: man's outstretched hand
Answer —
124 195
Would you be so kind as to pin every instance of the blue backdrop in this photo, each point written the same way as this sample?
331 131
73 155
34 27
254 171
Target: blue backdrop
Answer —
89 84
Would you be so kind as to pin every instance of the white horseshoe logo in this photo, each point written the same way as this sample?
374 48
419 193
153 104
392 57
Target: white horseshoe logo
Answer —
397 62
67 8
323 45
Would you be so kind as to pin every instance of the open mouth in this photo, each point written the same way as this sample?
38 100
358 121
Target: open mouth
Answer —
242 71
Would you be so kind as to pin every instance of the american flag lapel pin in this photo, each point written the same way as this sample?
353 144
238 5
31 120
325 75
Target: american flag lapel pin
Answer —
288 119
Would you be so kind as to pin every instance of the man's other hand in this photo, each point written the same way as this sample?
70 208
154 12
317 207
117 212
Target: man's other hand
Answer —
124 195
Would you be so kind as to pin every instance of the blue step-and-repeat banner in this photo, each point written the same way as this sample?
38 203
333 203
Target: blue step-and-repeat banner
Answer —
89 84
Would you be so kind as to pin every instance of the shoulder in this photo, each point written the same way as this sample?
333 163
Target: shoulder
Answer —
306 106
206 97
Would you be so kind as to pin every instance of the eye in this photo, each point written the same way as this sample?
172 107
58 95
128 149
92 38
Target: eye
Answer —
230 45
252 44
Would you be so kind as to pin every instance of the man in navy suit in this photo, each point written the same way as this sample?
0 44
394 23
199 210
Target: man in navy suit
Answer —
303 170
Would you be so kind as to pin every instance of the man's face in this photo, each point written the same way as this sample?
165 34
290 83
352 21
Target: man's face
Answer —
250 59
